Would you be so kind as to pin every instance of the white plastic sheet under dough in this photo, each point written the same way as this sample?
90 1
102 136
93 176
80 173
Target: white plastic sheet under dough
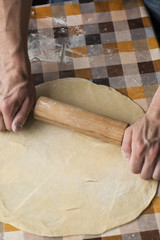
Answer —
55 182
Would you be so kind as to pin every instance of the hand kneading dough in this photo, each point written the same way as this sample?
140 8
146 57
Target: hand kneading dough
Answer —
56 182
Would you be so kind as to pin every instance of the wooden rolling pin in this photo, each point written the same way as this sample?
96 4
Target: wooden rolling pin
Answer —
88 123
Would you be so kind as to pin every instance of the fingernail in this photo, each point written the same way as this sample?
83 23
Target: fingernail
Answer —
16 127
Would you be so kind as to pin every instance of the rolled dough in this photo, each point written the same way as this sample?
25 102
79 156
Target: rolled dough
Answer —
56 182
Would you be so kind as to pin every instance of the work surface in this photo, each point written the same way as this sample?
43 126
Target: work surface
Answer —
111 43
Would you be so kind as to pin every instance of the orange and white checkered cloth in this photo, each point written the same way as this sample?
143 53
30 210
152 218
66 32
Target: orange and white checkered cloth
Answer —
107 42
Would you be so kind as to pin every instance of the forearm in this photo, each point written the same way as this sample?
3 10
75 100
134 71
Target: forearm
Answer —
17 92
14 19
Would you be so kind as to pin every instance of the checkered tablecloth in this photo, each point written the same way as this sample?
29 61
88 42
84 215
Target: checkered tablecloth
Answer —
109 42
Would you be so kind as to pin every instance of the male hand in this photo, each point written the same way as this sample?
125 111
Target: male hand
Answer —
17 94
141 146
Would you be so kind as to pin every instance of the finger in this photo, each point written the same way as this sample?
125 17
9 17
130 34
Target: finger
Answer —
22 115
150 161
137 156
156 172
9 111
2 125
126 144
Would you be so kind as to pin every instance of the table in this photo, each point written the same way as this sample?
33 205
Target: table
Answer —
107 42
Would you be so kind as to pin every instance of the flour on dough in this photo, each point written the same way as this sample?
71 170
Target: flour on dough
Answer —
56 182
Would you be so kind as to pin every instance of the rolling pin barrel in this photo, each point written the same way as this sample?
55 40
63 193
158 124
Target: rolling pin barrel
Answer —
82 121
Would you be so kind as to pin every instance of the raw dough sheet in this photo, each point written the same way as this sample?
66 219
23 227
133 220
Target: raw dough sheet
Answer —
56 182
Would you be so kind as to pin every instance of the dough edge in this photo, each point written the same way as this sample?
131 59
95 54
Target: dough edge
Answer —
101 231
